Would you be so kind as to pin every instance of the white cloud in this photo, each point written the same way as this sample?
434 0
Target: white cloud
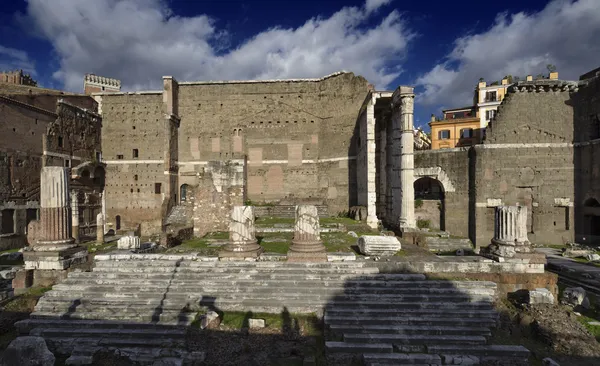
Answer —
138 41
14 59
564 33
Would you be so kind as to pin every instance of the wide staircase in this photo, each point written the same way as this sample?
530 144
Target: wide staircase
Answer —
141 305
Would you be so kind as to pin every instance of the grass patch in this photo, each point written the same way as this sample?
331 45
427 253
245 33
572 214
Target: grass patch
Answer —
10 251
217 235
270 221
305 324
585 261
15 309
593 329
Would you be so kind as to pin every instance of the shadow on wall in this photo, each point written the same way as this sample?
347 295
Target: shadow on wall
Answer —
371 315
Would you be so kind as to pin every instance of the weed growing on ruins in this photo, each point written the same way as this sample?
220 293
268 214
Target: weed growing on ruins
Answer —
15 309
423 224
418 203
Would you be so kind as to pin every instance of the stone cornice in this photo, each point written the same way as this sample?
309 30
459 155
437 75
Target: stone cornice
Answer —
27 106
544 85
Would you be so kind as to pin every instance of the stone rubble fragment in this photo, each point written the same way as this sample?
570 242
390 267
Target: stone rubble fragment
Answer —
27 351
378 245
575 296
129 242
540 296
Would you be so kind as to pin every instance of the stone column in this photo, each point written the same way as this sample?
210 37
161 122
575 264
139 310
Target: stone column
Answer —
242 234
307 244
75 216
372 220
510 232
100 228
403 154
55 210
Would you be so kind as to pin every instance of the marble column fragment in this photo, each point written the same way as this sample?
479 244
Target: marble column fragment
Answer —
510 231
242 234
307 243
100 228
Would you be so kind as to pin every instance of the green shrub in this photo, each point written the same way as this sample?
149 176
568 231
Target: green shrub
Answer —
423 224
418 203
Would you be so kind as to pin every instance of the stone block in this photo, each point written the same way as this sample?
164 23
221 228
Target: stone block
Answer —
129 242
379 245
23 279
209 318
27 351
54 260
575 296
256 323
593 257
341 257
540 296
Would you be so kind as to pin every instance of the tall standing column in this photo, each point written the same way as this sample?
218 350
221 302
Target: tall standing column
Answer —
372 220
403 181
55 210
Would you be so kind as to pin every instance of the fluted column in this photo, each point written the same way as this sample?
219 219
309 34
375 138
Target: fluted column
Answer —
242 234
510 231
55 210
403 149
372 220
75 216
100 228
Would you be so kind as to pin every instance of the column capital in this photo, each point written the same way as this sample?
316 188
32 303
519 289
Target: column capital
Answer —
402 96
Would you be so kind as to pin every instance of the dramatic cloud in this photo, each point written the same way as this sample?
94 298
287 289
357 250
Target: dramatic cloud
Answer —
138 41
13 59
565 34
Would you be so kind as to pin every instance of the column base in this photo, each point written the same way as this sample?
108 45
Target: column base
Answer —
54 246
54 260
372 222
241 251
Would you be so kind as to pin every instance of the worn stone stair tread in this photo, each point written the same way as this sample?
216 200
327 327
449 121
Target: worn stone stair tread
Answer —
423 329
122 342
375 313
487 350
412 338
358 347
406 320
402 358
28 324
113 333
165 318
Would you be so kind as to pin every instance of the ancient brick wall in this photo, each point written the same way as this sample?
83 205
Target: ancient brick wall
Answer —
133 142
450 168
586 104
296 135
219 188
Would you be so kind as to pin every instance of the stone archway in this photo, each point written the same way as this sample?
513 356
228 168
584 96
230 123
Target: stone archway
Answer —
430 205
591 220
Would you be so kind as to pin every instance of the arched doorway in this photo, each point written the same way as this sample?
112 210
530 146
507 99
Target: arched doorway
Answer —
118 222
591 220
184 190
430 209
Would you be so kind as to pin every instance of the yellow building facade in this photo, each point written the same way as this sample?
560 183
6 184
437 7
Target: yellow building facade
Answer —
460 127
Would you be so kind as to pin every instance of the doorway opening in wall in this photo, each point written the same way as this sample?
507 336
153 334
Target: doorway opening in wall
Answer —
591 221
8 221
183 192
118 222
430 206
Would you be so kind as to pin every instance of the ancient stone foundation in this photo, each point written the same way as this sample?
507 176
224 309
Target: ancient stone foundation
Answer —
242 235
307 244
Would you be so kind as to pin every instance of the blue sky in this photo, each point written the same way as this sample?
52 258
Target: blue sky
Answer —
440 47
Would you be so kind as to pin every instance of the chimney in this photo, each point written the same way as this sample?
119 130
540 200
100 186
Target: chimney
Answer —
529 78
505 81
482 84
432 117
554 75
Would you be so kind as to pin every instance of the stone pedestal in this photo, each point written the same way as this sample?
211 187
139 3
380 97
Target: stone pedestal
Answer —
129 242
55 249
100 228
307 244
510 242
242 235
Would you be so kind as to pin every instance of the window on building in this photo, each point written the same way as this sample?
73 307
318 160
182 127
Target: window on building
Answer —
135 177
489 115
60 141
8 221
67 163
120 157
157 188
136 153
491 96
444 134
466 133
98 156
595 126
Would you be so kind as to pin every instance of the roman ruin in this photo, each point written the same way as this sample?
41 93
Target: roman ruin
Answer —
198 163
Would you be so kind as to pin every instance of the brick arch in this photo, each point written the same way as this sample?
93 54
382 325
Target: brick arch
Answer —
436 173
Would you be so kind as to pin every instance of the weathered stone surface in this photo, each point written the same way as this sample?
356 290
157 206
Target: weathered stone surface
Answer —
341 257
593 257
256 323
209 318
27 351
242 234
353 234
379 245
575 296
540 296
549 362
510 233
15 256
307 244
129 242
100 228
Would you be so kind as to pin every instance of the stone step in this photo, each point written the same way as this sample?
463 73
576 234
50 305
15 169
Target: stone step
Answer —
58 342
177 295
165 316
373 359
267 287
239 265
25 326
138 334
82 353
238 271
451 319
344 347
413 339
385 313
482 351
474 329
